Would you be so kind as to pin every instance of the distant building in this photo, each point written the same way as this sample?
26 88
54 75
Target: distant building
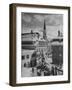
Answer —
28 40
28 46
57 50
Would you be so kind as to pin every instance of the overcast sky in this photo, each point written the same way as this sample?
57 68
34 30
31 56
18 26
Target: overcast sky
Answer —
35 22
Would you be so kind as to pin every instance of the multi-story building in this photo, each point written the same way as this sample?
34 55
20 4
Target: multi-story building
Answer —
28 46
57 50
28 40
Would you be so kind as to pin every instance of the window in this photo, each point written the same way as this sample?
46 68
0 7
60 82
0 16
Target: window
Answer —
60 48
23 57
27 56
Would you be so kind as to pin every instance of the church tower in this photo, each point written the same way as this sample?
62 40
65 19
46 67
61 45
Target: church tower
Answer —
44 32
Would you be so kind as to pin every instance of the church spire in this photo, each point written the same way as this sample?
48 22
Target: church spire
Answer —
44 25
44 31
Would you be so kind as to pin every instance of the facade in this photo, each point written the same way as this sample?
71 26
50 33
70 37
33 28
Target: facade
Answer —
28 47
26 57
28 40
57 51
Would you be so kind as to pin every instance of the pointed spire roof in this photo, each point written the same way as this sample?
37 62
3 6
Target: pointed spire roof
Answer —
44 31
44 25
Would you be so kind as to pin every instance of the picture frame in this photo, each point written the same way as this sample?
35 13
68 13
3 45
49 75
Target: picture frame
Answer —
39 44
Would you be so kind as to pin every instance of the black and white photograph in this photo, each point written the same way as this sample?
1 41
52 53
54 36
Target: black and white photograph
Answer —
41 44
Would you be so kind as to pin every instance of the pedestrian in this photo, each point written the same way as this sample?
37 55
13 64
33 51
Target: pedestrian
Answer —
32 69
52 70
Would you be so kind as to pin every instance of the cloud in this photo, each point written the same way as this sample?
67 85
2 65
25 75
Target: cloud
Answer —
39 18
36 22
27 18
